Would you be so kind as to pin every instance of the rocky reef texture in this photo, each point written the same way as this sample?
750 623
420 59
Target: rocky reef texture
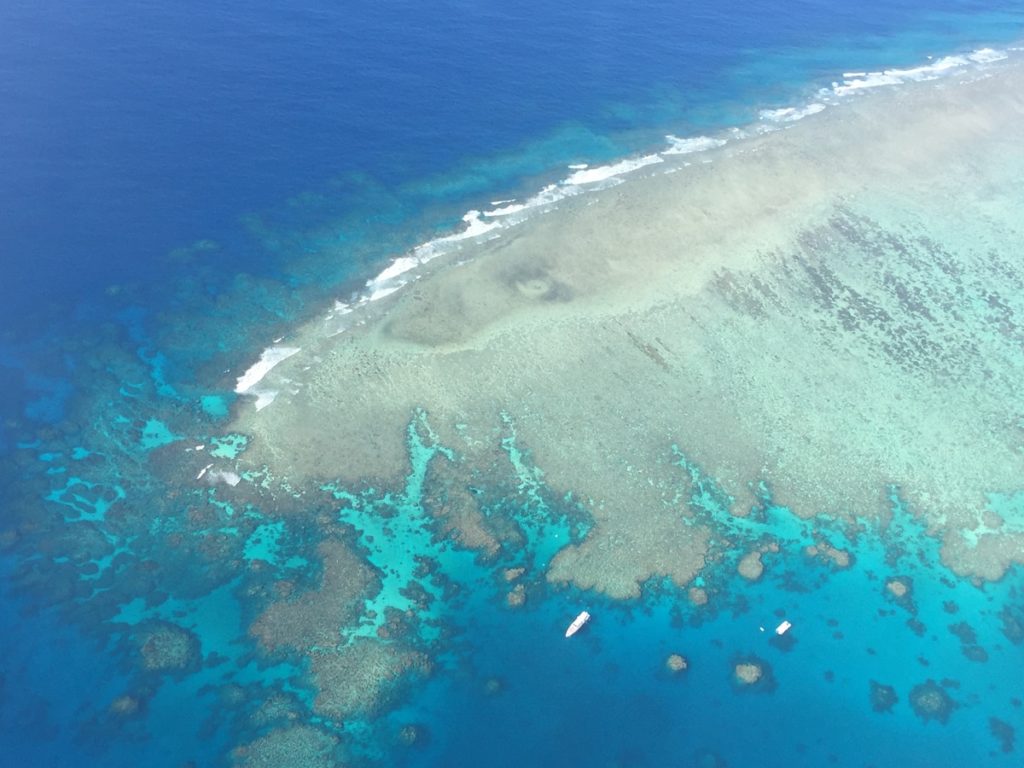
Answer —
932 702
804 285
750 566
303 745
167 648
314 618
413 735
824 551
969 642
676 663
752 673
358 678
898 587
748 672
516 598
883 697
350 674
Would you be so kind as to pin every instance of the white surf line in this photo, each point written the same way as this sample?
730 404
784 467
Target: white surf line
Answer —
854 82
691 144
248 382
585 178
791 114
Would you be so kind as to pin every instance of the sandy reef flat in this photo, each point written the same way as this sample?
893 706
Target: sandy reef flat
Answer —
823 315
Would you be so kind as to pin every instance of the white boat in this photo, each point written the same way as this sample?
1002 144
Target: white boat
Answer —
783 628
578 622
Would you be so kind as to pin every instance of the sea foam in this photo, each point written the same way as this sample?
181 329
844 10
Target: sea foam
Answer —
690 144
585 178
247 383
791 114
859 81
606 172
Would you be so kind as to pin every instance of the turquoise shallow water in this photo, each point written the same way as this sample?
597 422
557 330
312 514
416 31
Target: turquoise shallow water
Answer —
130 590
606 696
507 686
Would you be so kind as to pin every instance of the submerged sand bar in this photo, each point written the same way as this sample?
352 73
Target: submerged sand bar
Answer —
829 309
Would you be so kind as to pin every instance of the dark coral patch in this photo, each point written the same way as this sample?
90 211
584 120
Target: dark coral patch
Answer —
167 648
965 632
931 702
1004 733
883 697
975 653
1013 624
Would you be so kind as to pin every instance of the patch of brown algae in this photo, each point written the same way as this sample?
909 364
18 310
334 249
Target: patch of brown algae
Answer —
832 309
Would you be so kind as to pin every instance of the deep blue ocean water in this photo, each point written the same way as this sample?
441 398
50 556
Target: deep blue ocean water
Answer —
249 162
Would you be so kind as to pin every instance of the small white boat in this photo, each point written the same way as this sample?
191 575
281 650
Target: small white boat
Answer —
577 623
783 628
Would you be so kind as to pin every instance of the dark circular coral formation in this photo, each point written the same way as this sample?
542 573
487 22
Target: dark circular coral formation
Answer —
883 697
931 702
167 648
413 735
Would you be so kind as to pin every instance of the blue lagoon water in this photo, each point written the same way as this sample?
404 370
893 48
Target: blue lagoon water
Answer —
181 183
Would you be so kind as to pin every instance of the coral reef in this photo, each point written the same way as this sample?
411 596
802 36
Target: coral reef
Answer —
1004 733
750 566
883 697
748 672
899 587
931 702
676 663
279 707
413 735
166 648
314 618
969 641
698 596
360 678
752 673
455 509
1012 620
303 745
517 597
126 705
826 553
